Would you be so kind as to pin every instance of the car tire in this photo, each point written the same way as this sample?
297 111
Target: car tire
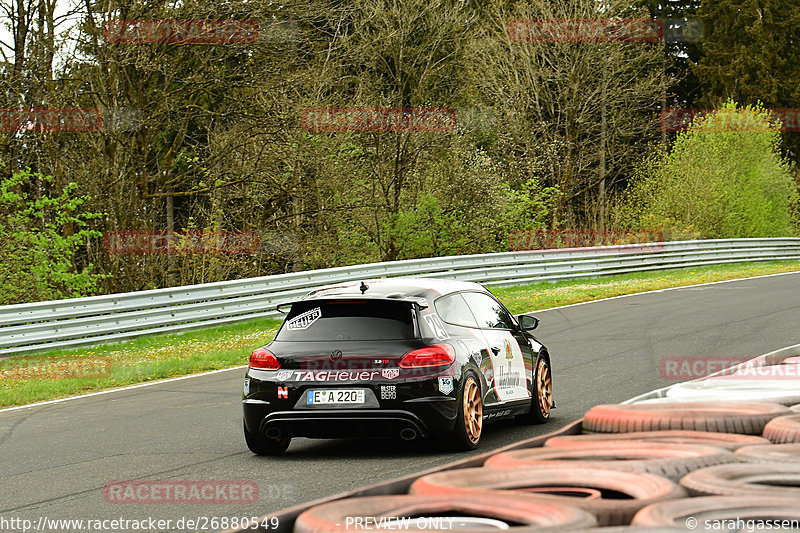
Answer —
784 429
626 492
717 508
542 396
727 441
261 445
524 514
744 479
772 454
651 457
466 434
748 418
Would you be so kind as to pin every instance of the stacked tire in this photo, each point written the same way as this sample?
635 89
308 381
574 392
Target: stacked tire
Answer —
655 466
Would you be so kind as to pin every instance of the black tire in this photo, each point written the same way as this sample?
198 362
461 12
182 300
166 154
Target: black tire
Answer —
261 445
466 434
748 418
685 511
784 429
541 396
525 514
675 437
623 493
745 479
652 457
772 454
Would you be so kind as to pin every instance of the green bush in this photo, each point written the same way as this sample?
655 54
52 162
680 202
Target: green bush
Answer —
723 178
40 233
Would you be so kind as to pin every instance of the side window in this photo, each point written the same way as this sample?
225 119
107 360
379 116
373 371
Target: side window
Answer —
453 310
488 312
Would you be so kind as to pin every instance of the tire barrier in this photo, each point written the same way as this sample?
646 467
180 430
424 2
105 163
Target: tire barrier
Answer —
694 512
728 388
425 513
647 466
783 429
744 480
672 462
747 418
773 454
623 493
728 441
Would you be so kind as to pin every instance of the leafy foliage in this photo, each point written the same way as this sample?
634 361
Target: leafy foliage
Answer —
724 178
41 231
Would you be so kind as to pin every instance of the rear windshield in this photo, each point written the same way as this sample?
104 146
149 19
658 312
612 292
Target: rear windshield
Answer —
348 320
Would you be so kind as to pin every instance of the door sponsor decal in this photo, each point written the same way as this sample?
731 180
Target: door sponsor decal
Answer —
507 366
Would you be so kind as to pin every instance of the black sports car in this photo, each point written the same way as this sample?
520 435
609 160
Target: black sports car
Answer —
395 357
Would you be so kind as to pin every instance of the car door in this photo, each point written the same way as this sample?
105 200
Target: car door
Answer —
509 352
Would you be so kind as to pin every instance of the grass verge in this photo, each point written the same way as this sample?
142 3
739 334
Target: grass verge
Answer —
57 374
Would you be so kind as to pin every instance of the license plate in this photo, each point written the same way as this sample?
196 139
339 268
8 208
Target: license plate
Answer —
334 396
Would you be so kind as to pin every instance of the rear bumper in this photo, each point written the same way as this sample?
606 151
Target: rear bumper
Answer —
369 423
424 418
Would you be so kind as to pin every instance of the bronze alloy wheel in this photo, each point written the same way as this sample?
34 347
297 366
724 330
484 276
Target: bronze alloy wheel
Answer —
544 388
473 410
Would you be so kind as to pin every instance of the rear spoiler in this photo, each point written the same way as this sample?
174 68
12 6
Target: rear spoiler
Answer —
418 302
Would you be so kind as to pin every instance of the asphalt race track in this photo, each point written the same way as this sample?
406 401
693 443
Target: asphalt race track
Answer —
55 459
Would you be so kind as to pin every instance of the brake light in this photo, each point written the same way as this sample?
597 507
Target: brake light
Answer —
263 359
436 355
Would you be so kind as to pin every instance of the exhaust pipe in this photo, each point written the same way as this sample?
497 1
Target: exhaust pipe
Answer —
273 433
408 434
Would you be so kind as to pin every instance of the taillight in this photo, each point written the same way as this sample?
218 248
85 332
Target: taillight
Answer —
263 359
436 355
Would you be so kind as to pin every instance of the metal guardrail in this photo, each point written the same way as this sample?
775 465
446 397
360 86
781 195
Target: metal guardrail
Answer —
117 317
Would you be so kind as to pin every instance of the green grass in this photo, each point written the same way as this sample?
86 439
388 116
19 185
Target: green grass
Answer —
548 294
57 374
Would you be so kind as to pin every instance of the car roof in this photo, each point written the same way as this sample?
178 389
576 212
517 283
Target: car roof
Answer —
396 288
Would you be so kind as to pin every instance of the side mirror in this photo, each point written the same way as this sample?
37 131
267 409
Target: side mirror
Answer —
527 322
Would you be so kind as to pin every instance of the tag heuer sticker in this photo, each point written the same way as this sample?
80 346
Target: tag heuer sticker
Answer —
446 385
284 375
390 373
304 320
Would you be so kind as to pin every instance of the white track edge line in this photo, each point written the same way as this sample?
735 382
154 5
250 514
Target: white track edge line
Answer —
140 385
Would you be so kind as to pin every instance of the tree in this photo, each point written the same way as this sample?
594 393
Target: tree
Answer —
574 114
750 55
41 232
723 178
